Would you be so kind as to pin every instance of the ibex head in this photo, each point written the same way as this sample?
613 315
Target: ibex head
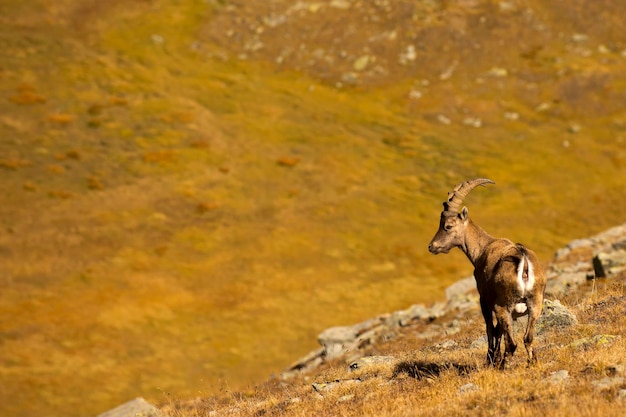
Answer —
453 223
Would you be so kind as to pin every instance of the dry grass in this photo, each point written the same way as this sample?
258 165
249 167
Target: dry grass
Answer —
429 380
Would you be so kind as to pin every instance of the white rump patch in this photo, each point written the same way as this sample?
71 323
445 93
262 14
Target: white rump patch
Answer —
525 286
520 308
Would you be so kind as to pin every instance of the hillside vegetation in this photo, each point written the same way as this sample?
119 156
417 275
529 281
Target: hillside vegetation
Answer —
194 189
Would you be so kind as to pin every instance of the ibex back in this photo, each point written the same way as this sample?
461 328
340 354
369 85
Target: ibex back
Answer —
509 277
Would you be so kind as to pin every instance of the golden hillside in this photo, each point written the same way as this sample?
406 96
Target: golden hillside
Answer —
194 189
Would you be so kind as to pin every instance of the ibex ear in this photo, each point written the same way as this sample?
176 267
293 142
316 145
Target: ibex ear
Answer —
463 214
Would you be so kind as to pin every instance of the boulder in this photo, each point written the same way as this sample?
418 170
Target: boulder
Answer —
554 315
610 263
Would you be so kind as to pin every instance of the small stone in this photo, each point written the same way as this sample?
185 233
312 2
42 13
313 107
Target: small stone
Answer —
543 107
558 377
597 340
464 389
607 383
480 343
345 398
448 344
444 120
415 94
575 128
340 4
498 72
157 39
361 63
472 121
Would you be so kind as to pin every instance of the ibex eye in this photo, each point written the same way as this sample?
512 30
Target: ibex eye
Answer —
448 227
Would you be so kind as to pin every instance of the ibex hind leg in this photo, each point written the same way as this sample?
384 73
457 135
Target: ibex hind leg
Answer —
505 322
534 311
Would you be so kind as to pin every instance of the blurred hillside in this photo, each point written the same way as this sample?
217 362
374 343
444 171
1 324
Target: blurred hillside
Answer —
192 190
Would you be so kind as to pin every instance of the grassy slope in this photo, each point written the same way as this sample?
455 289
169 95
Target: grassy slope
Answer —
152 241
392 389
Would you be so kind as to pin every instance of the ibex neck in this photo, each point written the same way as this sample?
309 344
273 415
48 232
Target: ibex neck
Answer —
476 240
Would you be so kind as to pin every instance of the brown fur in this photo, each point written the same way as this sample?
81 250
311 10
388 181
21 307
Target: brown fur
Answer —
496 264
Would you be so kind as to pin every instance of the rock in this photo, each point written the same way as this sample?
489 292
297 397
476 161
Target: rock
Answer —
443 119
464 389
597 340
361 63
371 362
418 312
554 315
340 4
337 340
331 385
621 394
308 362
558 377
606 264
448 344
415 312
461 288
607 383
480 343
134 408
562 283
341 340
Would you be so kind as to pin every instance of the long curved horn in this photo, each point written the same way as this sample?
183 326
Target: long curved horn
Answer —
456 196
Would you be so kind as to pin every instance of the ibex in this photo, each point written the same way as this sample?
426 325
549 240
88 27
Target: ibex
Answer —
509 277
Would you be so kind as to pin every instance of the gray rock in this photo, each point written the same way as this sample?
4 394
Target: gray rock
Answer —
554 315
480 343
448 344
464 389
345 398
418 312
308 362
597 340
331 385
134 408
337 340
607 383
461 288
369 362
558 377
563 282
607 264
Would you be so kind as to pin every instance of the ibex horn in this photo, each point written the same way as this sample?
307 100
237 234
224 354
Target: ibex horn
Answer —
456 196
